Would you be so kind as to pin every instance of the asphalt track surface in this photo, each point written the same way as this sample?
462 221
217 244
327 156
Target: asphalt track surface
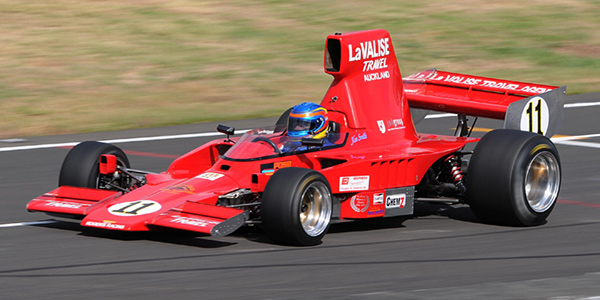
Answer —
440 253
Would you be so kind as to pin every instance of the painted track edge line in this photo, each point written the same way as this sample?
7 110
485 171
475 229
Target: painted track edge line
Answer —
579 144
115 141
205 134
19 224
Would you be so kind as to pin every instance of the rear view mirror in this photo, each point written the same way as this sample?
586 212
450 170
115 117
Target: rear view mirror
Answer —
226 129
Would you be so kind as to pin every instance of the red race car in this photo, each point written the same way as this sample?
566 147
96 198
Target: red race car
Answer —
354 156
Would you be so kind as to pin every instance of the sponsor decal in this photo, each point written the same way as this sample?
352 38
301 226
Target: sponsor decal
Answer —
381 125
377 198
282 164
377 76
491 83
359 203
264 131
358 137
272 167
180 188
357 157
369 49
390 125
395 201
374 55
134 208
192 221
372 65
63 204
395 124
105 224
210 176
376 212
354 183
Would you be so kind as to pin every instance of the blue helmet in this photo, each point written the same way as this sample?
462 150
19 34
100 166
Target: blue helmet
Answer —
307 120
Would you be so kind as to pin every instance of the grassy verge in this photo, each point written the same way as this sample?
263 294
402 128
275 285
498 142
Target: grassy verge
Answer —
78 66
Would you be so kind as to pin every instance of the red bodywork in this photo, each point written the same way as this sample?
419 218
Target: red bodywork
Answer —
372 167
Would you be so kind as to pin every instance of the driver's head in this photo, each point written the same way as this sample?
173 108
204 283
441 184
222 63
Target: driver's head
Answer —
307 120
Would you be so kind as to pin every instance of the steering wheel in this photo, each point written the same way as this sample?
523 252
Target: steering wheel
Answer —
268 141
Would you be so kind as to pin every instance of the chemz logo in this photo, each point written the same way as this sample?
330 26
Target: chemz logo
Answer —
395 201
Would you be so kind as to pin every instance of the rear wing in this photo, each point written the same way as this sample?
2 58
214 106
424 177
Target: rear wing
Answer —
523 106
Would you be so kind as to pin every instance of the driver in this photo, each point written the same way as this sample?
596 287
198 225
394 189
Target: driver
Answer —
306 120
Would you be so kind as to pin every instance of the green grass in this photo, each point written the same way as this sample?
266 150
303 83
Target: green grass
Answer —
80 66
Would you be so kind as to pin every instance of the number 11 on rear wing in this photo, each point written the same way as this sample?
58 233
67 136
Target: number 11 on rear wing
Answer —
524 106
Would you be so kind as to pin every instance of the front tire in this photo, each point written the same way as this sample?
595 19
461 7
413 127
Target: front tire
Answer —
296 207
81 166
513 178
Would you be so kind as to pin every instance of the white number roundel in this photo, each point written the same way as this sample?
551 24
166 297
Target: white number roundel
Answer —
134 208
535 116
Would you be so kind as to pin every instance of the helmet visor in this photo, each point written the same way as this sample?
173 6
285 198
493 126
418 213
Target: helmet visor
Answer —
298 126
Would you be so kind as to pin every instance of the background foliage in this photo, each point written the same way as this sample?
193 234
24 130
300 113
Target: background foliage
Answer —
88 65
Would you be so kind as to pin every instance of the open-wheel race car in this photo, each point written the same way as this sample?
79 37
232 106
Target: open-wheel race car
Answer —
370 162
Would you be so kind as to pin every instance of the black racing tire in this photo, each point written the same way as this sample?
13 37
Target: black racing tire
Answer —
513 178
296 207
81 166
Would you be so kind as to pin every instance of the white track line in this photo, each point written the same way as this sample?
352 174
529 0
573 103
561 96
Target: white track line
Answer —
583 104
579 144
127 140
568 105
572 140
26 224
575 137
205 134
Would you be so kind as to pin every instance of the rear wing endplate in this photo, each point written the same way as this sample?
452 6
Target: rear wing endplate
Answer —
523 106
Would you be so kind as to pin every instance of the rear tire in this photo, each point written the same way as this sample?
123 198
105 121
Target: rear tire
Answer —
81 166
296 207
513 178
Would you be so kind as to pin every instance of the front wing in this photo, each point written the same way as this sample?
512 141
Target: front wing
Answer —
77 202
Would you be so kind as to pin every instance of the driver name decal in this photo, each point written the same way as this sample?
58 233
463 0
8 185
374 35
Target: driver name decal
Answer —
358 137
